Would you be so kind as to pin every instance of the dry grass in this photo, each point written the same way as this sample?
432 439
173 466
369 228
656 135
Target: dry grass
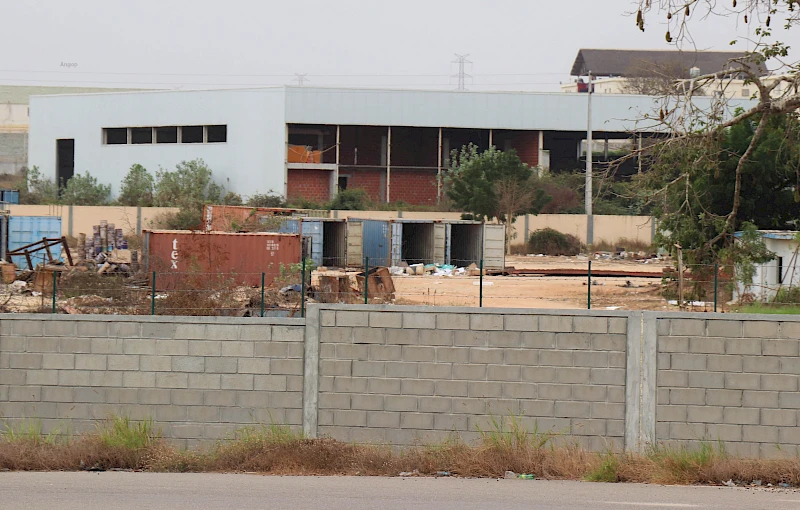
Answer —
123 444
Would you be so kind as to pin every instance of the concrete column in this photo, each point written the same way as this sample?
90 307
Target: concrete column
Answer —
439 170
491 138
640 382
69 222
311 372
388 164
138 220
335 178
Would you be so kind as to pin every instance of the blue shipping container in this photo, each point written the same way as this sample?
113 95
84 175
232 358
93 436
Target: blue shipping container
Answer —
25 230
377 242
313 230
9 196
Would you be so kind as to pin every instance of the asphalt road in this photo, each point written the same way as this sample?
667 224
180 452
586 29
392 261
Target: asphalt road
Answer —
146 491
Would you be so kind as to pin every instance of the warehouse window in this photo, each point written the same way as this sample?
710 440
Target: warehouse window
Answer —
141 135
115 136
216 134
192 134
167 134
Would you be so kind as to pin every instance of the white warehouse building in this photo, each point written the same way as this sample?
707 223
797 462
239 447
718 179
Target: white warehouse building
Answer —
310 142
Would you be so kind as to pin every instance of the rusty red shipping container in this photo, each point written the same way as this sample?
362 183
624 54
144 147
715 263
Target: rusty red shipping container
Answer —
180 255
233 218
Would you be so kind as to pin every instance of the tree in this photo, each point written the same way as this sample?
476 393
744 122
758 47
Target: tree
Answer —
698 136
189 185
36 189
494 184
650 79
232 198
85 190
355 199
268 199
692 186
137 187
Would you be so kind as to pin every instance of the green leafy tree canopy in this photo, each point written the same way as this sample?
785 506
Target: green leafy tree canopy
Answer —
137 187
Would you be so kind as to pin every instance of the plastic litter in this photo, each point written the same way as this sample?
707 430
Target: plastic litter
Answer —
296 287
729 483
443 473
783 484
757 483
510 475
527 477
485 284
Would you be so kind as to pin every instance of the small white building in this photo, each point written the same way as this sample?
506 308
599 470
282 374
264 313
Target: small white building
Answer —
781 272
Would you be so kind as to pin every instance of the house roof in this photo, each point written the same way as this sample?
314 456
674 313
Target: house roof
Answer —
624 62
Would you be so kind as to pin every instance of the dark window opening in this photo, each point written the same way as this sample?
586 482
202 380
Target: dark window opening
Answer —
116 136
65 161
167 134
192 134
217 134
780 269
141 135
342 183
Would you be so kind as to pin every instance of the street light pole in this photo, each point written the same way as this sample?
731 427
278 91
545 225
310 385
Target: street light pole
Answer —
588 193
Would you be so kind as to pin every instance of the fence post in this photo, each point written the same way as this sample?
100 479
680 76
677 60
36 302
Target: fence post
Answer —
303 290
480 286
680 276
262 294
153 296
589 284
716 283
366 280
55 290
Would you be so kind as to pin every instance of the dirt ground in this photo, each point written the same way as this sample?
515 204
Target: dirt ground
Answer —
569 292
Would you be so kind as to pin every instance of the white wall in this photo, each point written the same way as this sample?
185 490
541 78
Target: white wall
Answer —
765 281
252 160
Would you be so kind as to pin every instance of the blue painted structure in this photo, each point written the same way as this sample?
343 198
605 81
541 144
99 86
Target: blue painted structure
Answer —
376 242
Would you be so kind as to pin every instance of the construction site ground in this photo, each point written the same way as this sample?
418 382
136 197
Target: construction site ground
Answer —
535 291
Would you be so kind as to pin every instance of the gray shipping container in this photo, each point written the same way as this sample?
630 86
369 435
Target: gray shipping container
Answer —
467 242
328 240
418 241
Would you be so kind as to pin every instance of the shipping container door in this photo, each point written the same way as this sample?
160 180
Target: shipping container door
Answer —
355 243
448 233
313 231
376 242
397 243
24 230
439 243
494 246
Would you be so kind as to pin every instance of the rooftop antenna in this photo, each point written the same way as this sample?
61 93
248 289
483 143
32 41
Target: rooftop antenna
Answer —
301 79
462 76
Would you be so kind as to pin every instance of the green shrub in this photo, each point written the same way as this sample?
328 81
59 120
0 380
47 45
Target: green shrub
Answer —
268 199
552 242
350 200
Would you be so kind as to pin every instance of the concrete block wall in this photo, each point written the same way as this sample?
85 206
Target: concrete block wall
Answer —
732 378
403 375
198 378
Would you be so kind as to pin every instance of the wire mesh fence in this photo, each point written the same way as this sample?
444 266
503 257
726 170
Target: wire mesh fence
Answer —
287 290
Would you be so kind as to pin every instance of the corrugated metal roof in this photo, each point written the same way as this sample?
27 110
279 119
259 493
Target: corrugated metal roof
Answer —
603 62
20 94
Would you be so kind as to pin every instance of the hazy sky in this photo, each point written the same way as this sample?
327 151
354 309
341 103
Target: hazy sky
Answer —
513 44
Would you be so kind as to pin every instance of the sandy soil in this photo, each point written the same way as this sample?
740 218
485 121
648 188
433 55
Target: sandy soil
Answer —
540 291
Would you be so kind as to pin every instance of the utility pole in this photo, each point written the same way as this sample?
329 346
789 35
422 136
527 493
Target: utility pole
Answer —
462 76
588 194
301 79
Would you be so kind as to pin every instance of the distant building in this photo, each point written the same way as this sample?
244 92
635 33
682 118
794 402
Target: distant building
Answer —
310 142
781 272
14 119
651 71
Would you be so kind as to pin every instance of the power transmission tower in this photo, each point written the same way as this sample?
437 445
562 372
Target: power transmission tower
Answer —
462 76
301 79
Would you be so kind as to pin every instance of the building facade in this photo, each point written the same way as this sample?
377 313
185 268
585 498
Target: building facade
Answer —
306 142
